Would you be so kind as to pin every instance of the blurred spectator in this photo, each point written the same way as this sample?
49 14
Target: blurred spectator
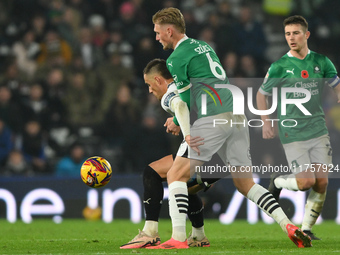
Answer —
69 25
70 164
15 80
207 35
98 30
91 78
192 27
155 143
26 52
201 9
55 92
144 52
111 75
224 11
6 142
249 68
108 9
131 29
116 43
39 27
10 111
83 6
249 35
32 145
56 11
54 49
78 103
90 53
223 34
122 127
36 107
17 165
230 62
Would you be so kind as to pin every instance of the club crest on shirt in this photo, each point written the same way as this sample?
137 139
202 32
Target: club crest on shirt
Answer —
317 69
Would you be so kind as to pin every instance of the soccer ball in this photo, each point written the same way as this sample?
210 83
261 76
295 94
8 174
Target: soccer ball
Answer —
96 172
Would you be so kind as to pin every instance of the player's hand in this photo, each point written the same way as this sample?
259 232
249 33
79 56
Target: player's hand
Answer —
171 127
268 131
194 142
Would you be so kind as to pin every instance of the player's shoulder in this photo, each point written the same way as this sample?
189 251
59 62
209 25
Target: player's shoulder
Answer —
170 94
319 57
280 65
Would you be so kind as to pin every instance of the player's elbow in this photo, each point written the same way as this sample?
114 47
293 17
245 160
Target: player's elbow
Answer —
180 106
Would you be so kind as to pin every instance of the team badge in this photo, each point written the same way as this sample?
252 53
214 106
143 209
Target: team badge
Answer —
317 69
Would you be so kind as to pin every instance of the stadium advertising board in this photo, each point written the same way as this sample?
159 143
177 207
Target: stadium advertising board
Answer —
32 198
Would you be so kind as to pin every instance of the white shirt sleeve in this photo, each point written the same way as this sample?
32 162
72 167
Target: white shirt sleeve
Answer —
182 114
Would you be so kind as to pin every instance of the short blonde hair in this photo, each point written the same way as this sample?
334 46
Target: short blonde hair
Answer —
172 16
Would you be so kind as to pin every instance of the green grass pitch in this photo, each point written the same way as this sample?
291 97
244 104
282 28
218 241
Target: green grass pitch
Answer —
96 237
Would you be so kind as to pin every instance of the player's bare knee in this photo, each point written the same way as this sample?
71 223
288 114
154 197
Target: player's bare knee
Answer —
321 185
305 183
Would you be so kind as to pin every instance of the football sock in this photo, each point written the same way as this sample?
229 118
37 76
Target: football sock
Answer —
287 182
150 227
178 208
267 203
153 198
195 214
313 209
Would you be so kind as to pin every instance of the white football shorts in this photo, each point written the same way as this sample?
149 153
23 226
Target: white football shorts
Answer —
225 134
303 154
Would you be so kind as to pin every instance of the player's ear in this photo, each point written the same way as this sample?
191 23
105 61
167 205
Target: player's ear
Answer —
169 31
157 79
307 34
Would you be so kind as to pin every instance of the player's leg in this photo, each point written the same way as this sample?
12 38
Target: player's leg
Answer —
197 237
177 177
302 177
153 176
315 202
236 151
267 203
321 152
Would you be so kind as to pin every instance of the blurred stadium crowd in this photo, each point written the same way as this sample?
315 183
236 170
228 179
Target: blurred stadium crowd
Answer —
71 82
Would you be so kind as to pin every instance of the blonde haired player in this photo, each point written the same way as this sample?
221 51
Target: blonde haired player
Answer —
197 70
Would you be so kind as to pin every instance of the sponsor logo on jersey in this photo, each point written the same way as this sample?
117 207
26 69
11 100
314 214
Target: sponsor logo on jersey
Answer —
168 98
170 64
290 71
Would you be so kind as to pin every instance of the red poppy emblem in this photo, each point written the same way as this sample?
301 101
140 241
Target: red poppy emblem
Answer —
304 74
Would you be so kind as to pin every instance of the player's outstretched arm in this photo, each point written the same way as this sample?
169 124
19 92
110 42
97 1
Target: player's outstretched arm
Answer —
262 104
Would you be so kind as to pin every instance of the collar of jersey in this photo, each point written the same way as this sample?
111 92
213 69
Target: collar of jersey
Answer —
290 54
182 40
171 84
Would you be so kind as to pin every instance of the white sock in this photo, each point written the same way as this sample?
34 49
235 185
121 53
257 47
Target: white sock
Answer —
286 182
267 203
313 209
198 233
178 208
151 227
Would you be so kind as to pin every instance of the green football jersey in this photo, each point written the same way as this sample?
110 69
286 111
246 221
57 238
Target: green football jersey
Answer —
310 73
196 69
